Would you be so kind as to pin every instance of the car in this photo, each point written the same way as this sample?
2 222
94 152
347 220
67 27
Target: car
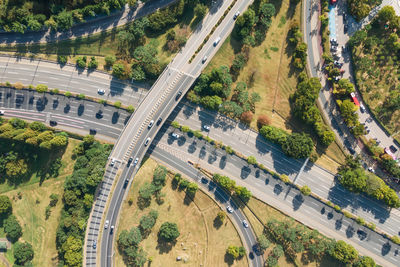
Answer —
333 2
150 124
147 141
362 108
206 127
236 15
337 64
345 28
229 209
370 169
175 135
106 224
159 121
111 229
204 59
251 255
126 182
101 91
245 224
129 162
99 114
217 41
344 48
136 161
1 112
393 148
92 131
53 123
112 162
94 244
178 95
333 41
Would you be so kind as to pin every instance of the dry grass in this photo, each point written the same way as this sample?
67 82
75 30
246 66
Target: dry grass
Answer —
265 212
274 79
30 211
200 241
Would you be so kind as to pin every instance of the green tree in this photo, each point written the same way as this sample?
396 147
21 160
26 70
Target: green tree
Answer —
73 251
192 189
117 104
64 20
168 232
305 190
348 112
263 242
129 238
344 252
233 251
298 145
12 228
200 10
251 160
41 88
211 102
148 221
175 124
355 180
365 261
130 109
221 215
110 60
23 253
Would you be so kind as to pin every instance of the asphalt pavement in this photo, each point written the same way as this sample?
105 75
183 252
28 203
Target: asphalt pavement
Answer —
307 210
91 26
274 192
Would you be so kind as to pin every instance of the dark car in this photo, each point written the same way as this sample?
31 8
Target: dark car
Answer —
159 121
126 183
129 162
345 28
178 95
204 180
53 123
92 131
251 255
393 148
361 234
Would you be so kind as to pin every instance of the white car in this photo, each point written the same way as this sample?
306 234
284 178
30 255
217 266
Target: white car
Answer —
106 224
229 209
206 127
204 59
101 91
1 112
236 15
371 169
136 161
150 124
362 108
147 141
217 41
245 224
175 135
112 162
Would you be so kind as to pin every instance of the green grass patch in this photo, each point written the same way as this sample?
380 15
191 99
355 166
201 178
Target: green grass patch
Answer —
274 48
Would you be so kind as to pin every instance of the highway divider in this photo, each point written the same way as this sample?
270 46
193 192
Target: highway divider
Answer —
283 177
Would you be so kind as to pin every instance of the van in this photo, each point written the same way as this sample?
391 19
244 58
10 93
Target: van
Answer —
217 41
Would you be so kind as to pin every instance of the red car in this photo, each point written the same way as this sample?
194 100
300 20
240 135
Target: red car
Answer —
333 2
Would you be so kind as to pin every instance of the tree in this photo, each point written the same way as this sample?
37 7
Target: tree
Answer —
121 70
278 251
386 14
263 242
175 124
130 109
200 10
233 251
168 232
117 104
348 112
146 191
64 20
211 102
344 252
148 221
5 205
344 87
365 261
243 193
41 88
12 228
93 63
305 190
129 238
23 253
192 189
263 120
298 145
251 160
247 117
221 215
355 180
110 60
274 134
73 251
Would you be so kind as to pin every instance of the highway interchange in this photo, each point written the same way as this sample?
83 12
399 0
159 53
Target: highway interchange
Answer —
69 79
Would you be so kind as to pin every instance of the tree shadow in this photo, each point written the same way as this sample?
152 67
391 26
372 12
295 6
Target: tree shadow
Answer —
192 147
228 259
297 201
164 247
245 172
222 162
217 223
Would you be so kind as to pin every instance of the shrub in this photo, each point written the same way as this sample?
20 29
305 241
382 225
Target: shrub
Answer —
305 190
251 160
62 60
263 120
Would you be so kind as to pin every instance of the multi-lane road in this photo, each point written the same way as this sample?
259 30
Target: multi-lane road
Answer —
91 26
176 152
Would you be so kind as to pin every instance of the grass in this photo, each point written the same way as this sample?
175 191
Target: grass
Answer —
200 241
99 45
274 79
30 211
265 212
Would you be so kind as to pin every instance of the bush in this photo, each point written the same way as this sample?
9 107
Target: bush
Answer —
305 190
12 228
251 160
298 145
110 60
263 120
62 60
81 62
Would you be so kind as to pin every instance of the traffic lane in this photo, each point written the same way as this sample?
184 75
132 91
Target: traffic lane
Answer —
104 126
358 204
291 198
319 180
69 78
219 195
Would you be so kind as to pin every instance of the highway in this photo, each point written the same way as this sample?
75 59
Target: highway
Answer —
176 152
169 88
91 26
